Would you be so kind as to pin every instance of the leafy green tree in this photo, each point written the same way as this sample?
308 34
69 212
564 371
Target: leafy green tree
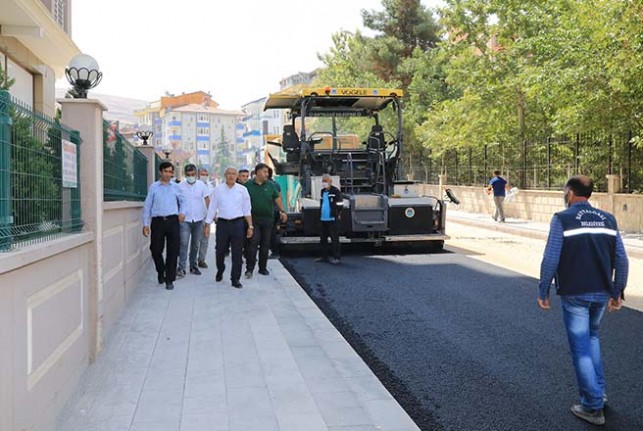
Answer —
401 27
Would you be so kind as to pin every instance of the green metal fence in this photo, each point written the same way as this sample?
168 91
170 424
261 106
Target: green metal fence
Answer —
124 167
39 176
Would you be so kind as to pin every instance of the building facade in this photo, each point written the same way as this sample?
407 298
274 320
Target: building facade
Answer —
35 48
257 124
193 129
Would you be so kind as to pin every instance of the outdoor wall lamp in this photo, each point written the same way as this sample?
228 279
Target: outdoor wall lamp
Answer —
144 135
167 151
83 74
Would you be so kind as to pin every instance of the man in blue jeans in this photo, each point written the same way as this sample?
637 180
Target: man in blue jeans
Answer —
586 257
196 195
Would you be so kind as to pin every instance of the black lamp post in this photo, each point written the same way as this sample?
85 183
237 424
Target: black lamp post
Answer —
144 135
83 74
167 151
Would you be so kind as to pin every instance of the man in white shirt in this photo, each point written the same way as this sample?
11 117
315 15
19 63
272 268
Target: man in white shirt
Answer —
204 176
197 199
229 207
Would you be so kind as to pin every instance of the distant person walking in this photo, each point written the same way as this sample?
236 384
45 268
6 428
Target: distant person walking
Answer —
204 176
498 186
586 256
197 198
331 204
230 208
162 212
264 196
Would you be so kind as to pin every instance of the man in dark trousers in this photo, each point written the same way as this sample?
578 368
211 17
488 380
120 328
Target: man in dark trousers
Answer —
331 204
162 212
586 256
230 209
264 196
498 186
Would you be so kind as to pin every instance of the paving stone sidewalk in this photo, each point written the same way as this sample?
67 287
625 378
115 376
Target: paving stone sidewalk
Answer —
208 357
633 241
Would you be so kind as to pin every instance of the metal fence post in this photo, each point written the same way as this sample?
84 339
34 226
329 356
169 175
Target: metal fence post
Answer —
5 167
577 155
470 167
609 158
629 162
548 163
523 173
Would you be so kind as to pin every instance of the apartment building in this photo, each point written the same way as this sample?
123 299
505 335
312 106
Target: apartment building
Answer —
35 48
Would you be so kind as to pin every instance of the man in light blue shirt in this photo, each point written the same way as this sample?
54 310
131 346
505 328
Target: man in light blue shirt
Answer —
331 204
162 212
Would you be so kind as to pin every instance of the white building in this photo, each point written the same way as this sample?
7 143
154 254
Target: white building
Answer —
203 135
257 125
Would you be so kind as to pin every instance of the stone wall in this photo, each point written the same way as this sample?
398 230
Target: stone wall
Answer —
540 205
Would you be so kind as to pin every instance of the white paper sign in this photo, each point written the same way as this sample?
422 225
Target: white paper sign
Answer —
70 165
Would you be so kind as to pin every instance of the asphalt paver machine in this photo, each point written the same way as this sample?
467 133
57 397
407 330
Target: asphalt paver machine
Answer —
355 135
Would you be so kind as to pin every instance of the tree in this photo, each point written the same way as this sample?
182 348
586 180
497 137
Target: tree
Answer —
402 27
224 155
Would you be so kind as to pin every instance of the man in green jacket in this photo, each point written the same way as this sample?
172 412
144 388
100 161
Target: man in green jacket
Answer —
263 197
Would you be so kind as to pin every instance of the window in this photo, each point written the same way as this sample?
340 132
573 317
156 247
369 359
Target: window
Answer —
59 12
22 88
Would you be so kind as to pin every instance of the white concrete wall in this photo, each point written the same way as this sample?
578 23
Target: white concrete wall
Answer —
125 253
44 339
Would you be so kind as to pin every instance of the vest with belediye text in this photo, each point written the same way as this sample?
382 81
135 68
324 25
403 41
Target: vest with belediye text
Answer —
589 245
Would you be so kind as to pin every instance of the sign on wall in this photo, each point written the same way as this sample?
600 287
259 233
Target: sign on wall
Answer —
70 165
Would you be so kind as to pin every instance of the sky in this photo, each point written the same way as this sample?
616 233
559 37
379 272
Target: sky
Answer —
238 50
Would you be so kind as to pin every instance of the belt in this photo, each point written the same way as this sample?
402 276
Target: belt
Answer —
229 220
170 217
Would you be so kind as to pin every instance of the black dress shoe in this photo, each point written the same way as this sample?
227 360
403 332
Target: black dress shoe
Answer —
237 284
161 278
264 272
219 276
202 264
169 285
195 271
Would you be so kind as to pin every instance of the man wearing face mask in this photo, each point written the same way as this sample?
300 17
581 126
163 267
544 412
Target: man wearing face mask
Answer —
331 205
586 257
204 176
197 199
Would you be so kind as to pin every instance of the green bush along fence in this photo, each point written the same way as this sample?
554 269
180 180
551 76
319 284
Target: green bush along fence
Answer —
39 176
124 167
543 164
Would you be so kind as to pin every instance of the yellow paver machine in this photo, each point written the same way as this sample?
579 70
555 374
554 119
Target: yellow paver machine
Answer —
356 136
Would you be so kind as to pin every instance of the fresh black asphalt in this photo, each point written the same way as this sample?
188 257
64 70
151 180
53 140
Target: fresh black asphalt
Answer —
463 346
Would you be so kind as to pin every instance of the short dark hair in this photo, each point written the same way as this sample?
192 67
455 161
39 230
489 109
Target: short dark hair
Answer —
581 185
261 166
244 170
270 172
165 165
496 172
190 168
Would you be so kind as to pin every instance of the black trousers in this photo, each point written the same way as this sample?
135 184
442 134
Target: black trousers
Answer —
276 234
260 243
165 230
230 235
329 228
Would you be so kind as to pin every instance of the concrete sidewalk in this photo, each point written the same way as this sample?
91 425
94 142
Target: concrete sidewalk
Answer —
531 229
208 357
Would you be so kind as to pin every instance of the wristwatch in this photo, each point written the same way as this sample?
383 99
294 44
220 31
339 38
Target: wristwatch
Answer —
251 227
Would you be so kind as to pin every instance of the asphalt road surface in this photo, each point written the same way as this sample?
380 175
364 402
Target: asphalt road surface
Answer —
463 346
